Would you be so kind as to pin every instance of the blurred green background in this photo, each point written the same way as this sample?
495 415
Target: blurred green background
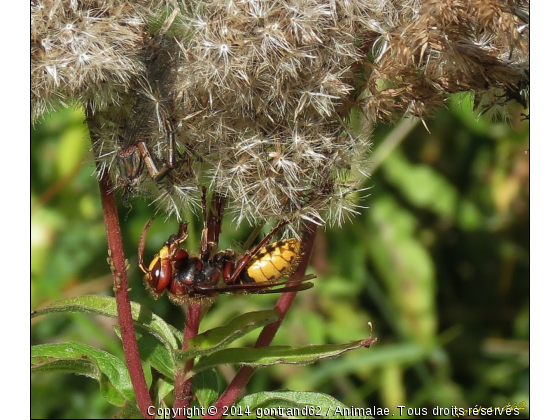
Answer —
438 261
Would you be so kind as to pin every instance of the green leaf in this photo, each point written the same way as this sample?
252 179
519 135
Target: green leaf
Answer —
267 356
213 340
163 387
205 386
299 405
82 359
153 352
107 306
129 411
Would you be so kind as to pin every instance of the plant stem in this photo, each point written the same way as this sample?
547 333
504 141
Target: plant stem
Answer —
183 387
120 279
121 292
231 394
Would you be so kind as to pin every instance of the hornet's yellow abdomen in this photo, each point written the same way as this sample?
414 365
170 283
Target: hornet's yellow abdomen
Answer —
273 262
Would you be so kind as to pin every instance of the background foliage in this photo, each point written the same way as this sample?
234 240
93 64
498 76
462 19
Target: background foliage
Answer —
438 260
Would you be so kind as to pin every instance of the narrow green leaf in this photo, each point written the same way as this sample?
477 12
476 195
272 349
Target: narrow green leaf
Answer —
213 340
267 356
235 328
107 306
405 265
300 405
82 359
153 352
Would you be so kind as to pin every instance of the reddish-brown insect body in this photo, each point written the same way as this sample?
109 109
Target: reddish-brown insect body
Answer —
260 270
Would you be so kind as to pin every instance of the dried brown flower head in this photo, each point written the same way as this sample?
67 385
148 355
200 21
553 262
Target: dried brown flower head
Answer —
255 97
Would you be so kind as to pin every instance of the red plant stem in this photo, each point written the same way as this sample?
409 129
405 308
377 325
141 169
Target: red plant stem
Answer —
231 394
183 384
121 292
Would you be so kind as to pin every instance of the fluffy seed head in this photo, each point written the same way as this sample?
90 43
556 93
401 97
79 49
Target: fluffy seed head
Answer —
255 97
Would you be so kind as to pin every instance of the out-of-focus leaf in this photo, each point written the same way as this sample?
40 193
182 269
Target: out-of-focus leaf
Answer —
391 378
406 268
86 360
406 354
426 188
462 105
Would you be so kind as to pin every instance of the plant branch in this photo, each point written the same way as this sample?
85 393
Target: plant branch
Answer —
120 280
183 382
231 394
118 267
